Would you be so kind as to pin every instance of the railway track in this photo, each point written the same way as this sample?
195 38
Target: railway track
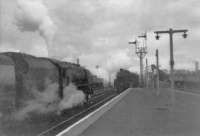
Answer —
68 122
53 125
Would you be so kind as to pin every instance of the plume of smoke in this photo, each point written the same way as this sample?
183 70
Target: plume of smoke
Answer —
72 97
32 15
48 101
43 102
100 72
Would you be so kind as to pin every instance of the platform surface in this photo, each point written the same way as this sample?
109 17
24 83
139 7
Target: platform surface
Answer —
142 113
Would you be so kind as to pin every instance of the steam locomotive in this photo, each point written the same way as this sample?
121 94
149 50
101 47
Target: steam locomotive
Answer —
19 73
125 79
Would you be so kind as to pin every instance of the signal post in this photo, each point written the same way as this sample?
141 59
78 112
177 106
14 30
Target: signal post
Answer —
141 52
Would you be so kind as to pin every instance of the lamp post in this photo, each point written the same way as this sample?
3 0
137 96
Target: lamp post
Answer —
171 32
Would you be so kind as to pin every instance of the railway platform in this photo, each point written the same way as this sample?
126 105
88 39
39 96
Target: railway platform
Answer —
142 113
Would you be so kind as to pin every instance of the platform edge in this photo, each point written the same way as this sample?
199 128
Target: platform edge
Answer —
78 127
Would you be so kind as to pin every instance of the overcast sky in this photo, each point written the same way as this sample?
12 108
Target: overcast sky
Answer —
98 31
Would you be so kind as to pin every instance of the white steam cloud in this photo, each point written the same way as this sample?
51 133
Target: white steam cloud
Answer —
49 102
32 15
110 66
100 72
72 97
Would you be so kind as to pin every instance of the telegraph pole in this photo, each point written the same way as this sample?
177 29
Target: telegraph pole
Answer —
171 32
157 71
147 74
